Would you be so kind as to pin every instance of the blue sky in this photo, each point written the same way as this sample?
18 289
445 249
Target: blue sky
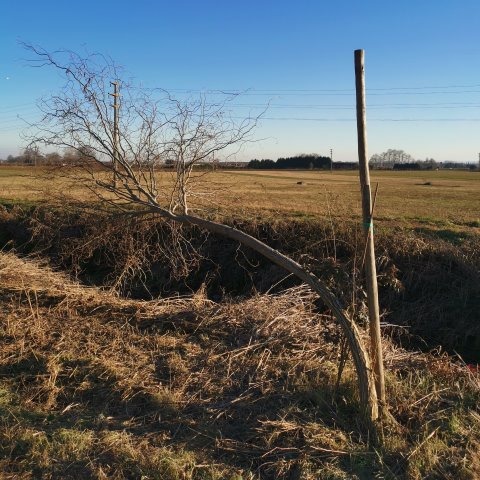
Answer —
296 55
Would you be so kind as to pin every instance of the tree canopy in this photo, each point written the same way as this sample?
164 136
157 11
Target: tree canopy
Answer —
389 158
303 161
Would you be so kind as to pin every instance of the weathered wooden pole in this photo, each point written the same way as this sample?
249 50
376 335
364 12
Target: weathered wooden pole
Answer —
370 267
115 96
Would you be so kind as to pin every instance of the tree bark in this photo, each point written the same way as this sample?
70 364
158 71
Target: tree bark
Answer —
368 396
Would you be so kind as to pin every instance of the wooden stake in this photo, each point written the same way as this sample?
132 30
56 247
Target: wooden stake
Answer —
370 267
115 96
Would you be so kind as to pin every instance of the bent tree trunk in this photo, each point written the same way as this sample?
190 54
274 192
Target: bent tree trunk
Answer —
368 396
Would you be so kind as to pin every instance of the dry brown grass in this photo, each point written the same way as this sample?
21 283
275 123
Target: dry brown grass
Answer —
452 199
434 199
96 386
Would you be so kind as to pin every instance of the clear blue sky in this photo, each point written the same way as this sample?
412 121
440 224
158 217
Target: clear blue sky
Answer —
273 48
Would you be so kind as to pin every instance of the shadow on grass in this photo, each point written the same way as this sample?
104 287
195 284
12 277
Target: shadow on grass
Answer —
452 236
274 435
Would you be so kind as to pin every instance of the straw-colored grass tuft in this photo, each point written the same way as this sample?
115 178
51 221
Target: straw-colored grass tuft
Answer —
97 386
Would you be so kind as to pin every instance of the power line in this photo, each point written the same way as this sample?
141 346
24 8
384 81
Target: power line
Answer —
426 87
347 107
11 115
236 90
371 94
303 91
312 93
376 104
370 119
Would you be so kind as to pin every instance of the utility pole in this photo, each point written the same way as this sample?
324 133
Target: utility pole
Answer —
116 106
331 160
370 267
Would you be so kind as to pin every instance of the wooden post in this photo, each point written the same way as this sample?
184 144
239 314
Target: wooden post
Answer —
370 267
115 96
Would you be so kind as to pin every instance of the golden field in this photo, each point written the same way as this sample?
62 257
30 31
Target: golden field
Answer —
439 199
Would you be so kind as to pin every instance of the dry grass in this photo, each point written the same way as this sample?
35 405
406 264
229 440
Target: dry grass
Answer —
429 285
433 199
96 386
452 199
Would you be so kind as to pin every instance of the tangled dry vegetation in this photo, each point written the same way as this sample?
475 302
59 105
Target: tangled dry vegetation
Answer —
96 386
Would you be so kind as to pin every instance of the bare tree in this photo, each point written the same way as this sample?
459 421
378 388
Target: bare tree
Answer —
388 159
156 130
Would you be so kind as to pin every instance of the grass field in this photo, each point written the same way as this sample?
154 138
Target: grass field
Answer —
96 385
437 199
440 198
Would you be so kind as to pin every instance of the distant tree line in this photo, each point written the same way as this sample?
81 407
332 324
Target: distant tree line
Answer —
400 160
389 160
458 165
32 156
304 162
